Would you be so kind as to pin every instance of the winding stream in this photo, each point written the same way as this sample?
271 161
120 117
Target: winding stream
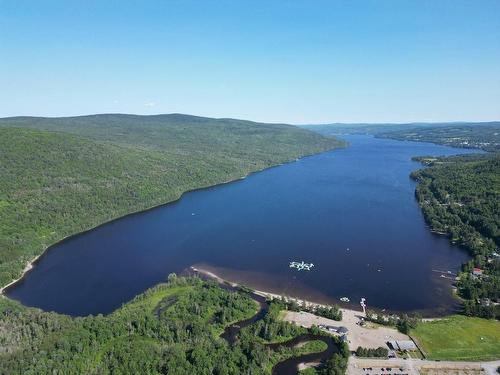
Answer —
288 366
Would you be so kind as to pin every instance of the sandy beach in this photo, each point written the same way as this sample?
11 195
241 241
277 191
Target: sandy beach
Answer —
368 336
26 269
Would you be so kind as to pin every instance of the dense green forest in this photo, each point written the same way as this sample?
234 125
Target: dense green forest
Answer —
460 197
60 176
214 139
173 328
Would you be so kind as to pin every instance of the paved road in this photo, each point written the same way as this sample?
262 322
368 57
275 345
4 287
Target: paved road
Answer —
412 366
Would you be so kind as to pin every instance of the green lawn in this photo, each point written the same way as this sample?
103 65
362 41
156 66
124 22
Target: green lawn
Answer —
148 301
459 338
314 346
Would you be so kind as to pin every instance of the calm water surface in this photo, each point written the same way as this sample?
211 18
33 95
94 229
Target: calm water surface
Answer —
351 212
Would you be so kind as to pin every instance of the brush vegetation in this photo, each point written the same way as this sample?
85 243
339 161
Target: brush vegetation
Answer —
172 328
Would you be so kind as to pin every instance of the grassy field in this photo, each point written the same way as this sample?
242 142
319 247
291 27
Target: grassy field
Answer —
459 338
314 346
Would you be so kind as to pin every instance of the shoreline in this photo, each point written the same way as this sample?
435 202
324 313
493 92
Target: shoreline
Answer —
305 302
29 266
32 263
369 336
429 314
271 295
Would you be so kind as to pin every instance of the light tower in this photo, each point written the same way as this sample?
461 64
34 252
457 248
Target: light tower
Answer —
363 305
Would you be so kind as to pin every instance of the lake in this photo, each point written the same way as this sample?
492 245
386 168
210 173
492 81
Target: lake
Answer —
351 212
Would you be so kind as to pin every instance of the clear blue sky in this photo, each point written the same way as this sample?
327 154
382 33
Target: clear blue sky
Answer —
280 61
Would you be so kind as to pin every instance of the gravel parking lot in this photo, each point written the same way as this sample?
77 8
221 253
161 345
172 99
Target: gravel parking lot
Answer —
366 337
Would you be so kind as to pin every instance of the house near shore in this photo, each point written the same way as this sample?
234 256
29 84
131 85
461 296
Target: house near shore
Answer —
477 272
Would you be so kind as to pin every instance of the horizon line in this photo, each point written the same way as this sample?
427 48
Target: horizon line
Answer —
263 122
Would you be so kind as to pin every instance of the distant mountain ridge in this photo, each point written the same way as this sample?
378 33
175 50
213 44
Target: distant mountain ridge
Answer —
480 135
171 131
417 123
168 117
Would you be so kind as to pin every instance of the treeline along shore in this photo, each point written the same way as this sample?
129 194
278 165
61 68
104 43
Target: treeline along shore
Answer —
62 176
460 198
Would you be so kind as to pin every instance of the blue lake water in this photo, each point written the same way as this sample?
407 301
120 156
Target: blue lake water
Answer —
351 212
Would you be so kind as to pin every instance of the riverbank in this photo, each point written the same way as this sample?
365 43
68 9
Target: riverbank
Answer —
188 312
367 336
213 275
306 352
29 266
455 338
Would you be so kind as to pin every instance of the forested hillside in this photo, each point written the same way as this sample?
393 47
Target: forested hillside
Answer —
460 197
171 329
210 138
482 135
62 176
